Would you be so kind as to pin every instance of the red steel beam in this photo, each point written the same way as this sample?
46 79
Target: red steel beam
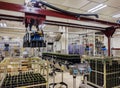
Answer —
24 9
11 16
115 48
50 22
19 20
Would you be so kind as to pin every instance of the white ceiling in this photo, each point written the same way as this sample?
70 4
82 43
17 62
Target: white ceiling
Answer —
82 6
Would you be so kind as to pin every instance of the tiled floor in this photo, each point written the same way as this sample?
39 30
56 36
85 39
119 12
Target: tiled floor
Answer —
67 79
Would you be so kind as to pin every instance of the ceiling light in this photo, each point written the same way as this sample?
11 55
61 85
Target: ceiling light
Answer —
1 24
96 8
4 25
116 16
99 8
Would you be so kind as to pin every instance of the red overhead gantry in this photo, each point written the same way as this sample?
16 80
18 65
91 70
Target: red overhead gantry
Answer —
40 14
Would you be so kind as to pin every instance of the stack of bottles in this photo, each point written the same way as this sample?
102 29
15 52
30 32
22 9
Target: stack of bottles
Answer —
63 57
112 72
35 39
23 79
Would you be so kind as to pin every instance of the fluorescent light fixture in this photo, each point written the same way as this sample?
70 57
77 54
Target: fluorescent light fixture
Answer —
96 8
116 16
4 25
99 8
1 24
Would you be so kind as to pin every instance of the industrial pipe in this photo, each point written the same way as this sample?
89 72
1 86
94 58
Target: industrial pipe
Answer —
66 12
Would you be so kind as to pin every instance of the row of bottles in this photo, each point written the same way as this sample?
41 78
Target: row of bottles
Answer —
112 72
34 44
34 40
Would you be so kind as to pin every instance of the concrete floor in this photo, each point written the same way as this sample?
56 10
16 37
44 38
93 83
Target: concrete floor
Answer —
68 79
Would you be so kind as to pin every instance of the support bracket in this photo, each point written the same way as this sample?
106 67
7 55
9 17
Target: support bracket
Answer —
109 31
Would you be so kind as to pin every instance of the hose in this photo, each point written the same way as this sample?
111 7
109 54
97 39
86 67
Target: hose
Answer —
66 12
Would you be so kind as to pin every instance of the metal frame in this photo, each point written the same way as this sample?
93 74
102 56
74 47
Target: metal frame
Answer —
51 22
44 12
24 9
104 73
7 61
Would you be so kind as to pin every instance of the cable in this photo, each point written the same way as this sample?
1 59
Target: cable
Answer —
66 12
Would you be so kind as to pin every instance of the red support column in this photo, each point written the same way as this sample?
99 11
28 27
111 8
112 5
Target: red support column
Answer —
109 46
109 32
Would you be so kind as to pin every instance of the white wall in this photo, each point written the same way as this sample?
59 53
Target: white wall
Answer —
116 42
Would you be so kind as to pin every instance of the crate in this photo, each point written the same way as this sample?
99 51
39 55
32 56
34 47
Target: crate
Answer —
28 79
105 72
9 66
